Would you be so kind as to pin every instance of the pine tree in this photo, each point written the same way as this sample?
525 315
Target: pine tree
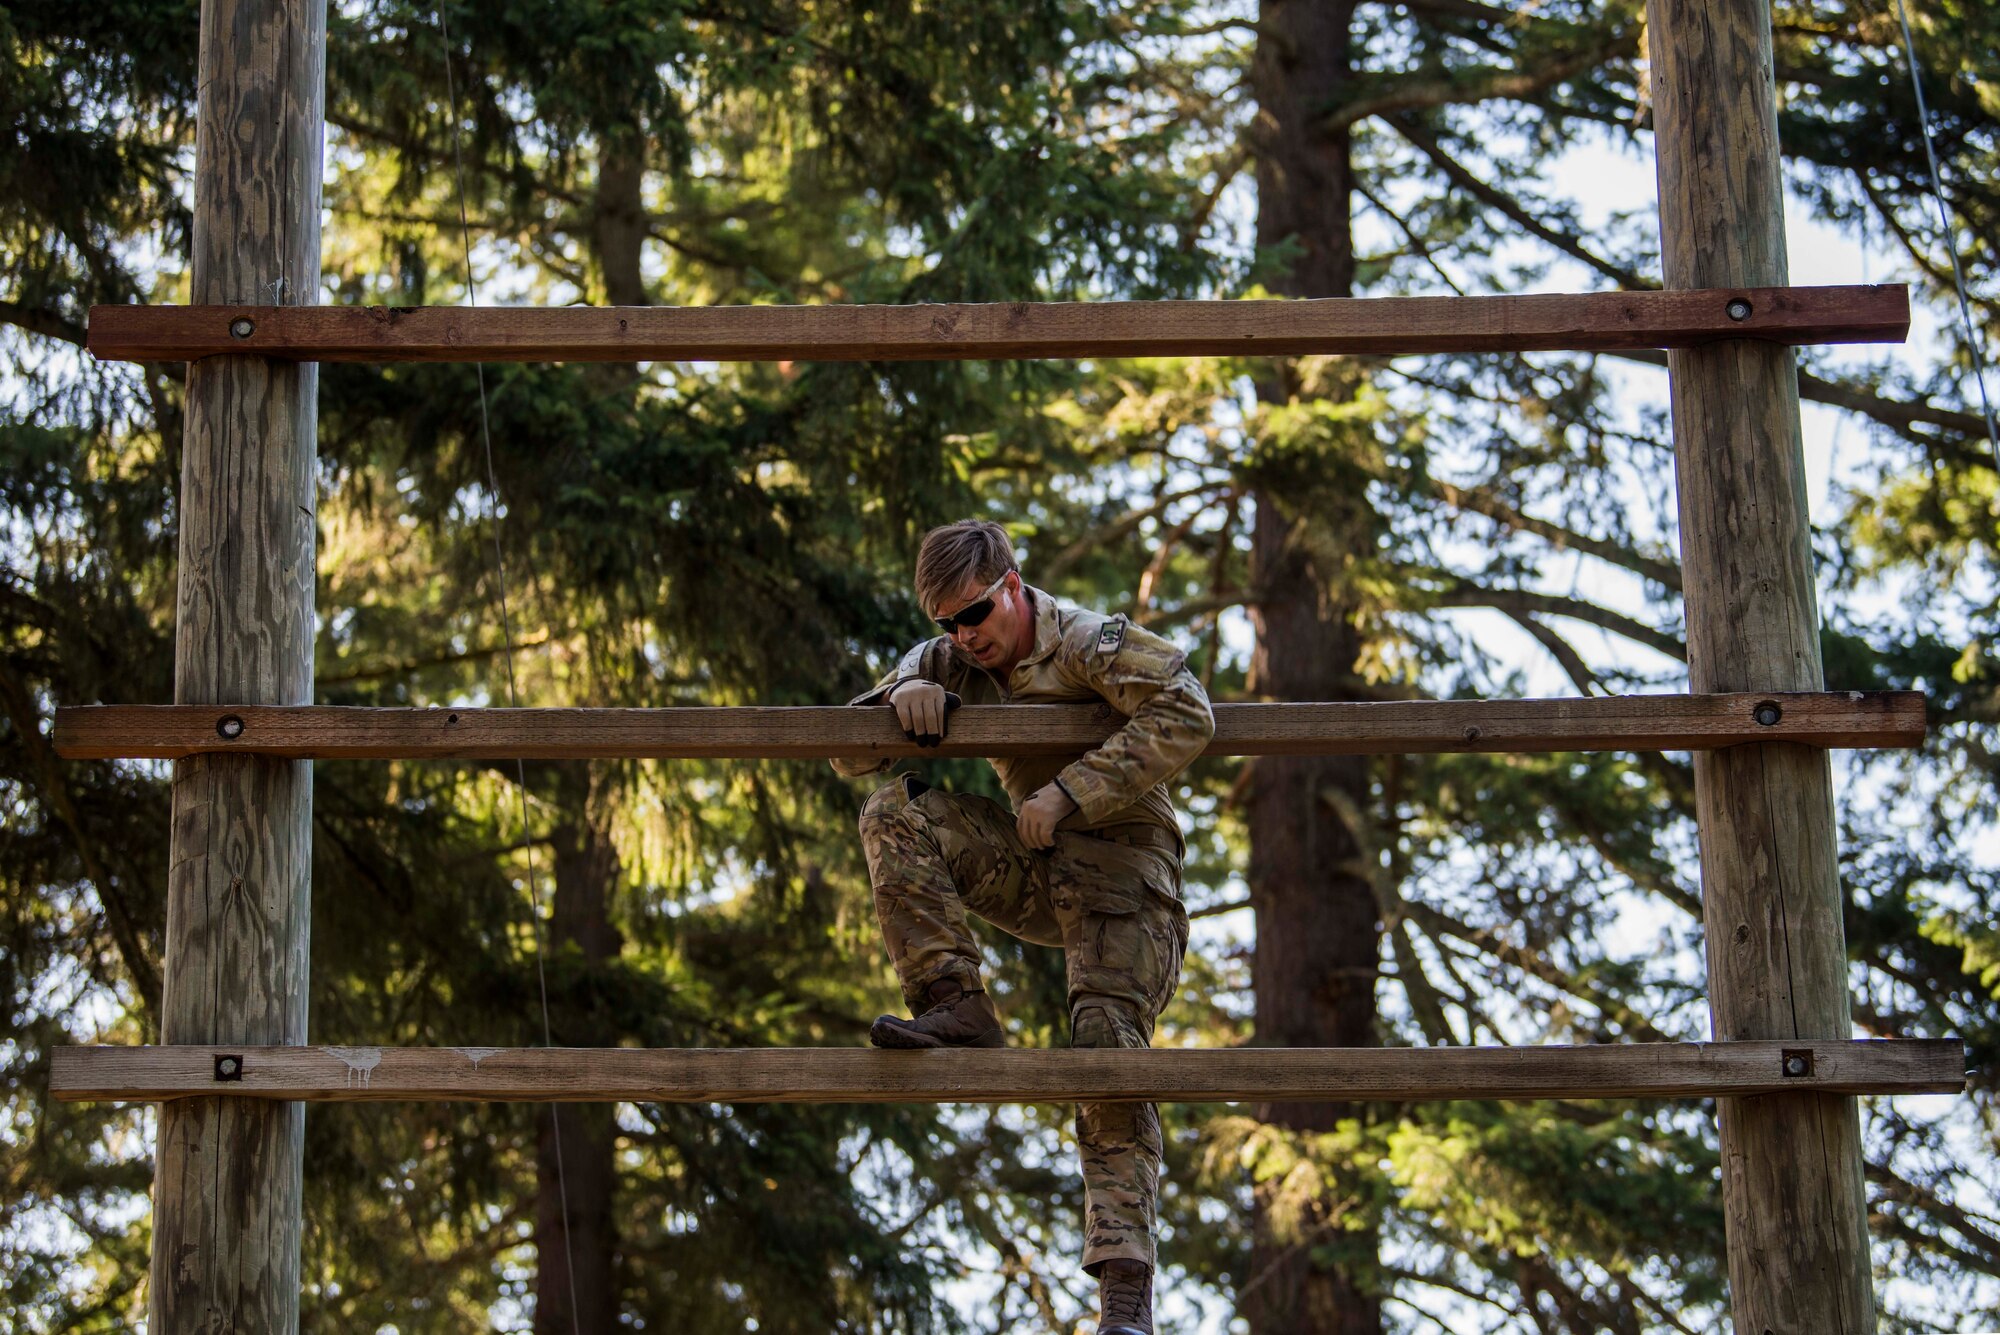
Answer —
742 534
1384 494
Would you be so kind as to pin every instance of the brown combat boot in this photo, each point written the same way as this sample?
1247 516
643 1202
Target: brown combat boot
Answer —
956 1019
1125 1298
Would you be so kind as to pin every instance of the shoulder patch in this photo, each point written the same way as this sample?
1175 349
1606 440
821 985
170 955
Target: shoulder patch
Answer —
1111 635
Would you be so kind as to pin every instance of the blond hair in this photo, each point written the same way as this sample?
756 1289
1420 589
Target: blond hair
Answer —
970 550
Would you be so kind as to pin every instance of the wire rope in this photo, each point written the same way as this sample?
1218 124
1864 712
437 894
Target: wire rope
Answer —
1972 339
494 511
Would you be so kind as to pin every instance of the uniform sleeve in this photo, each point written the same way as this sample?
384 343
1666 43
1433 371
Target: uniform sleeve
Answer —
930 661
1168 719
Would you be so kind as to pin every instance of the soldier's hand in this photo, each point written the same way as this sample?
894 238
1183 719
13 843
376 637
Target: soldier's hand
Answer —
920 708
1039 814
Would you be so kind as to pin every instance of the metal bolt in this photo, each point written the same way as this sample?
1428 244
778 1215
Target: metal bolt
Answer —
1472 733
229 1068
1797 1064
242 327
1767 714
1739 309
229 727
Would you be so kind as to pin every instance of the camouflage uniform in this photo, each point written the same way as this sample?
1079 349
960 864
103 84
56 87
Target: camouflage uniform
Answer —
1109 892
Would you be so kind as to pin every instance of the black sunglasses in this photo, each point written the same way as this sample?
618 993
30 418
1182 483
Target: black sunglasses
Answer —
973 612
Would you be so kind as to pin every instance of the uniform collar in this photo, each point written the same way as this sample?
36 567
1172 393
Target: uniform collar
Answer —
1048 629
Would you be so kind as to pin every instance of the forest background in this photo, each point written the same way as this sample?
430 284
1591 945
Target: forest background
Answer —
1327 529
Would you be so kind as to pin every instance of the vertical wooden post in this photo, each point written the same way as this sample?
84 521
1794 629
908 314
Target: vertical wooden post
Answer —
1771 897
226 1185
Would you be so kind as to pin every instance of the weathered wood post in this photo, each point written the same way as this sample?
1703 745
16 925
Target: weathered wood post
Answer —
226 1184
1771 896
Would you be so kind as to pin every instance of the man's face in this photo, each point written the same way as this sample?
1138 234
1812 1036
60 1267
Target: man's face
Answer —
995 643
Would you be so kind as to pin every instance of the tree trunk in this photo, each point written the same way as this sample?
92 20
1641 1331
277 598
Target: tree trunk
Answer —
576 1235
1317 918
577 1178
620 233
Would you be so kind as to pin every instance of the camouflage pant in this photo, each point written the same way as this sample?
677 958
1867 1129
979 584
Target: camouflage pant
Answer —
1115 910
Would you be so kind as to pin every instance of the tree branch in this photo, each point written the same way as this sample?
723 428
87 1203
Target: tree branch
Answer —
1204 606
1515 85
1426 1002
41 321
1462 177
1549 604
1119 527
1560 649
1922 1241
1170 541
1889 412
1217 910
1410 235
1608 1004
1906 1192
1464 9
1449 1285
409 665
1919 253
1482 501
1218 582
1230 168
1649 879
124 924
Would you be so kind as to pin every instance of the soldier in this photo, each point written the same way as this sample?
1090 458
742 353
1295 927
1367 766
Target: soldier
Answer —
1088 859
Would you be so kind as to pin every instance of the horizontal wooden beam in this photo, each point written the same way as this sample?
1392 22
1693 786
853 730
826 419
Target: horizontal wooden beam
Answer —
1594 723
1593 321
864 1075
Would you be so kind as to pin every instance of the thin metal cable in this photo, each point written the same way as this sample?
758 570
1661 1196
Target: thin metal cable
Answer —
1972 341
507 635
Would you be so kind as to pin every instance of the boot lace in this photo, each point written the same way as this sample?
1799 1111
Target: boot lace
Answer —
1125 1301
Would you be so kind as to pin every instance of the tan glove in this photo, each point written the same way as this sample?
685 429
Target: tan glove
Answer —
1041 813
921 708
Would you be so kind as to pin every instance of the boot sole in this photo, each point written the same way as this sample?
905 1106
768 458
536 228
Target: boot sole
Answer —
884 1034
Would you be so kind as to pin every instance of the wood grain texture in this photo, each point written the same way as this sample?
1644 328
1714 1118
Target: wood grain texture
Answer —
1777 965
867 1075
1632 722
1605 321
228 1171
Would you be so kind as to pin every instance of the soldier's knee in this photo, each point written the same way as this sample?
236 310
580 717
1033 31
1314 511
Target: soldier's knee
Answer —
890 799
1106 1022
883 802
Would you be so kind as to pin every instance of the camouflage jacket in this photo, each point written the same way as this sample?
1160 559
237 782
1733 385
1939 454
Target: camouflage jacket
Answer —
1081 656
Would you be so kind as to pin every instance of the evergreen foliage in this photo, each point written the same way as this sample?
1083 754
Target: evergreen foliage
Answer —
738 534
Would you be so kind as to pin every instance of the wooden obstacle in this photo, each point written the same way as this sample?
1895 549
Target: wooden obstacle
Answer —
1593 723
226 1201
1584 322
865 1075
